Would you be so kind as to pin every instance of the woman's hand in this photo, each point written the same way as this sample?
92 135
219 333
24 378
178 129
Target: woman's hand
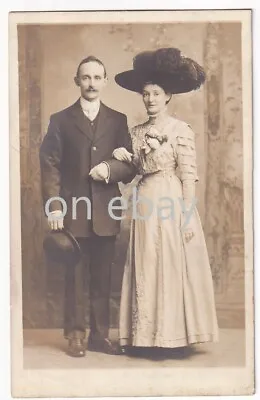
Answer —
121 154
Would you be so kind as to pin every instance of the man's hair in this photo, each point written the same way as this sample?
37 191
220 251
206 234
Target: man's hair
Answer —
91 59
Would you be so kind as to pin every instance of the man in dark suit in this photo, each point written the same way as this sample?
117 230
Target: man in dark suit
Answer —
77 166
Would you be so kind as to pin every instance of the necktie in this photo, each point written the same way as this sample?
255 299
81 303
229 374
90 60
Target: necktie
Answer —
91 113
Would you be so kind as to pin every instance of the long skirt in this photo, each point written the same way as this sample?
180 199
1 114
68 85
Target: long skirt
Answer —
167 292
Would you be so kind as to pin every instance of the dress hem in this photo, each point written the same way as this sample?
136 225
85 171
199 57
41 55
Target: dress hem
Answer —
182 342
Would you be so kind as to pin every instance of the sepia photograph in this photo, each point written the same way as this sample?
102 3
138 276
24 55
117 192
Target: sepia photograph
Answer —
131 203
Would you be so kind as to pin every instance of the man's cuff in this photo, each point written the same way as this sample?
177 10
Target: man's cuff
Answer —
108 172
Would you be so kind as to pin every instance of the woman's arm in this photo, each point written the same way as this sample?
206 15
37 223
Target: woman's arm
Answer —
186 159
120 169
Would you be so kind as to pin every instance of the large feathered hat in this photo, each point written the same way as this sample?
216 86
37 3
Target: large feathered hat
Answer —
166 67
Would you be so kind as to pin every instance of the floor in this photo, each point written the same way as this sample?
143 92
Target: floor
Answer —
45 349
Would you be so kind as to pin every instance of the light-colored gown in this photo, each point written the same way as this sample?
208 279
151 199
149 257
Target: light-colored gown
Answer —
167 292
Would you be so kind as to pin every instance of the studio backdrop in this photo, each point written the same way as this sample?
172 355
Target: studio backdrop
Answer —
48 59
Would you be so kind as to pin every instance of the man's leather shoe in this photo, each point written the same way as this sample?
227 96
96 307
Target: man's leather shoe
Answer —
76 347
104 346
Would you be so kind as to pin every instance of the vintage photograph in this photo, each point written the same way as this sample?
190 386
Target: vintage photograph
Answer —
131 200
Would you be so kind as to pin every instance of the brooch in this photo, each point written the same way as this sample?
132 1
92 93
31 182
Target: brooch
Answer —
153 140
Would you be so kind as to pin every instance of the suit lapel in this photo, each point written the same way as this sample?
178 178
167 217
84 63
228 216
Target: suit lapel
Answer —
102 122
82 124
80 120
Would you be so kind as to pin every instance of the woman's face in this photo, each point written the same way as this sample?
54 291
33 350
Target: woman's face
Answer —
154 98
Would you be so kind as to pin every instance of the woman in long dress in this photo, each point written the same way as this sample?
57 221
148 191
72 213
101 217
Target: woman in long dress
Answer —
167 292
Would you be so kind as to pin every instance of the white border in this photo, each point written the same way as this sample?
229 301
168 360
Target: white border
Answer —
56 5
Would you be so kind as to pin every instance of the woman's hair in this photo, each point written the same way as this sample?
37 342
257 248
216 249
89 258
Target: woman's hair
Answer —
168 101
162 85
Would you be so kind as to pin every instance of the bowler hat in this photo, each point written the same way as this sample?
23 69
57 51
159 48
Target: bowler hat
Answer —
166 67
62 247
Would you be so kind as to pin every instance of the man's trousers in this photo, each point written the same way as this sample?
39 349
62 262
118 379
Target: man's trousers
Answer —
98 257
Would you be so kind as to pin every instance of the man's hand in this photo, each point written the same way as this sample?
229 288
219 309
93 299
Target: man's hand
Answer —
100 172
55 220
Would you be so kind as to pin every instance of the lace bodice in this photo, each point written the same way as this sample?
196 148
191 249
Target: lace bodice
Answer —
177 151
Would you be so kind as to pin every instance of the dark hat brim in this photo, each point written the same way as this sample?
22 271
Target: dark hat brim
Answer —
74 240
61 246
174 83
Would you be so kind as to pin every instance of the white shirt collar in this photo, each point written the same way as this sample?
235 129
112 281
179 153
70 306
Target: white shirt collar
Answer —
92 106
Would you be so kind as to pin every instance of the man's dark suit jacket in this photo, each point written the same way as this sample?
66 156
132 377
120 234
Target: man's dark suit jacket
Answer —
68 152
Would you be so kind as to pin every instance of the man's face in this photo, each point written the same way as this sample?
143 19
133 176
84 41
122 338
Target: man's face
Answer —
91 80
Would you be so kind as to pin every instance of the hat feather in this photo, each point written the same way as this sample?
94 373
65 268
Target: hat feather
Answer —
194 71
167 60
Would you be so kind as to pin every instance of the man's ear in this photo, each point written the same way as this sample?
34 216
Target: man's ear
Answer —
76 80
